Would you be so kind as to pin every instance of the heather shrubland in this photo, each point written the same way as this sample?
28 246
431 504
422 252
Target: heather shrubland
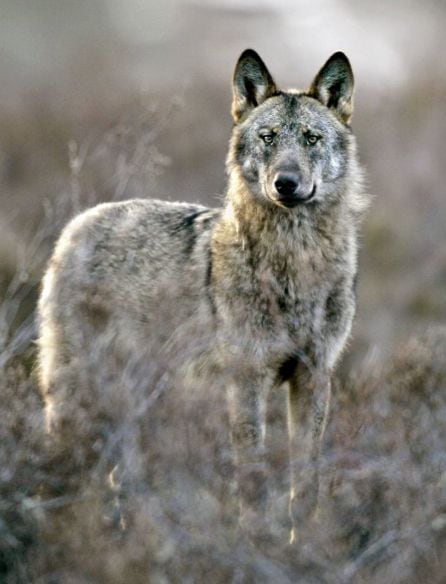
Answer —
159 504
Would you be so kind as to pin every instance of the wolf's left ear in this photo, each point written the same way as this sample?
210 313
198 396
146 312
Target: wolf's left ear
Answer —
333 86
252 84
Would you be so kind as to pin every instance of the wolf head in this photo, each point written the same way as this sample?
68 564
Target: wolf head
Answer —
292 148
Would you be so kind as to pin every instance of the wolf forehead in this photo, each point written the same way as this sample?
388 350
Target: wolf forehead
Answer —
292 112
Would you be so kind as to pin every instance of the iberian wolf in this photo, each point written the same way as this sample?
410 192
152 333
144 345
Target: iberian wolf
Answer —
269 278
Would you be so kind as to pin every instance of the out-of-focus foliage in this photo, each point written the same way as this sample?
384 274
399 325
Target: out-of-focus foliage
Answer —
93 110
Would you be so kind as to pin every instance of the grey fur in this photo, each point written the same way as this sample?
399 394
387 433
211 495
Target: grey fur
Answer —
268 279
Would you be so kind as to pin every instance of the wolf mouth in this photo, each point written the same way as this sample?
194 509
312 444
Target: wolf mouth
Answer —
293 201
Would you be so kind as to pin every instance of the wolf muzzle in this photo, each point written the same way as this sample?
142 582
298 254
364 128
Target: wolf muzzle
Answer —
290 189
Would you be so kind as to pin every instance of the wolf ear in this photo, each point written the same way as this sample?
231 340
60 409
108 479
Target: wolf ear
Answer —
333 86
252 84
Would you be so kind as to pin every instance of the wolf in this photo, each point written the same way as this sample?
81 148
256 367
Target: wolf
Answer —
269 278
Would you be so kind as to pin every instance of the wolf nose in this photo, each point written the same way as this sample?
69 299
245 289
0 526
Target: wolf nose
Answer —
286 184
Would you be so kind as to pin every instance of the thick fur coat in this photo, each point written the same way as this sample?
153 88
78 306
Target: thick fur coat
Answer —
268 280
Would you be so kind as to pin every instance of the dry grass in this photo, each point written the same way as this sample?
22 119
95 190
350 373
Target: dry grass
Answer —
382 513
174 516
383 506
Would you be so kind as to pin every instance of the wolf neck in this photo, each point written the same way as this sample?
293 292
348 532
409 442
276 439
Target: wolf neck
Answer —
268 227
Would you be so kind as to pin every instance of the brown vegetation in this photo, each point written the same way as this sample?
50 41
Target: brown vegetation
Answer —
383 508
382 513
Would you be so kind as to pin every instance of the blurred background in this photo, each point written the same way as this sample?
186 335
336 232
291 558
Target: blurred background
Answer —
112 99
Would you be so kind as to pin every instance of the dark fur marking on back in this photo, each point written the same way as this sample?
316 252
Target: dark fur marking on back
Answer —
188 225
189 220
208 281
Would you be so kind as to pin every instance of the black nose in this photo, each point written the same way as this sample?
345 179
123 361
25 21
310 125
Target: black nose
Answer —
286 184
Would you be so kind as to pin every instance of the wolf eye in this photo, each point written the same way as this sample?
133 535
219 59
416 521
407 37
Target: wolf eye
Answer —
312 139
267 138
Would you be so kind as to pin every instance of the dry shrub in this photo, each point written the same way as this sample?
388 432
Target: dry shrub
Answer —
169 513
386 498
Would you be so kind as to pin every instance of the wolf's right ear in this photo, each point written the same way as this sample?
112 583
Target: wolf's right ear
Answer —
252 84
